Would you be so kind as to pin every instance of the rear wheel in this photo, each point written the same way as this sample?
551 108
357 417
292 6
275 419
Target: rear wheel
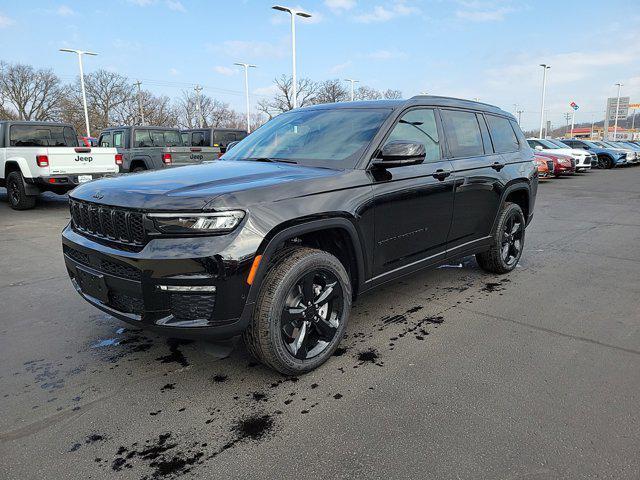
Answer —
16 190
507 242
301 313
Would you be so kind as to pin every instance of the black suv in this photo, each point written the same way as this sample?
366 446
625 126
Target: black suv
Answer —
276 239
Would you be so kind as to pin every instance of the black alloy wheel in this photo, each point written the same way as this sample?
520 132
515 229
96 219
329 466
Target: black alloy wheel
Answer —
512 239
312 314
507 242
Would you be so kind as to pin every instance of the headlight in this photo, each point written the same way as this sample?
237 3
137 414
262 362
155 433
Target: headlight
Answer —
214 222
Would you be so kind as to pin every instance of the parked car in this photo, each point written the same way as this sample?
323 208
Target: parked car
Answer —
583 159
212 137
635 147
607 157
562 164
37 157
632 154
149 148
545 166
319 205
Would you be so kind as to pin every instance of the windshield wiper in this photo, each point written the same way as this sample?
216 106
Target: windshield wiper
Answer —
272 160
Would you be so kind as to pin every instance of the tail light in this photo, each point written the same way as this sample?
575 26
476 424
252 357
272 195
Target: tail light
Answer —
166 158
43 160
118 159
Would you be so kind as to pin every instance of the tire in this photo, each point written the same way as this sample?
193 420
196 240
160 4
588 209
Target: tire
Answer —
266 336
16 191
137 169
605 162
494 260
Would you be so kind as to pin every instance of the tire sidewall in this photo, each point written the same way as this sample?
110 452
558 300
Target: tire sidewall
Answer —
509 209
317 260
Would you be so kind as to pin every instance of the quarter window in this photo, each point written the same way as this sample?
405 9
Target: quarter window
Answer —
419 125
463 133
502 134
105 140
197 139
117 139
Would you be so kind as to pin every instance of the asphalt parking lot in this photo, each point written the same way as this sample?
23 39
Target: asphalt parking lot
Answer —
451 373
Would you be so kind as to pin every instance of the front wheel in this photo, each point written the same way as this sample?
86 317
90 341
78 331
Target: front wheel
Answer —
605 162
507 242
301 313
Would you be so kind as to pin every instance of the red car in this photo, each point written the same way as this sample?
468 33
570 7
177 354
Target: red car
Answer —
562 164
545 166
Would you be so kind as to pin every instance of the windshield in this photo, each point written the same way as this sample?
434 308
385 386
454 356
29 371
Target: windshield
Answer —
558 143
591 144
157 138
42 136
326 138
548 144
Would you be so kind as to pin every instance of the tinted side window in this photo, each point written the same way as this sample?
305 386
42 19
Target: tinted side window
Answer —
463 133
419 125
503 137
117 139
42 136
142 138
197 139
185 139
105 140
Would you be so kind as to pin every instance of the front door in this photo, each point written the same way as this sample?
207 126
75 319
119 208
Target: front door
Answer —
413 203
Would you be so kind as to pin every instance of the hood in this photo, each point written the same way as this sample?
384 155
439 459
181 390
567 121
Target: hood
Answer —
194 187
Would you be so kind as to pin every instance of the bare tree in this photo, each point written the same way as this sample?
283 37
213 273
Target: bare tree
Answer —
215 113
392 94
283 99
367 93
107 92
332 91
157 110
33 94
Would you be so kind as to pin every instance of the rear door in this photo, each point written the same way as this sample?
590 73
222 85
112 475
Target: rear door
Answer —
413 203
476 170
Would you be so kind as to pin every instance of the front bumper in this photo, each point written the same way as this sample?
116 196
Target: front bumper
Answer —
584 163
140 287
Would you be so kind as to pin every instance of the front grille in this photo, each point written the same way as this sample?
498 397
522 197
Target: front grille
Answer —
573 163
192 307
110 223
550 165
76 255
126 303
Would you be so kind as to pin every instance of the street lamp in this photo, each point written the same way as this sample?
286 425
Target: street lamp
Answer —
615 122
84 95
544 91
293 12
352 81
246 67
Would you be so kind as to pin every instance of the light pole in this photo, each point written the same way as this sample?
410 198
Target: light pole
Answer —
138 84
293 12
615 122
545 67
352 81
84 95
520 112
246 67
198 89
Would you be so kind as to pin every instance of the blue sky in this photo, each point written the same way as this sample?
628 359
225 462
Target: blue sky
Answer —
486 49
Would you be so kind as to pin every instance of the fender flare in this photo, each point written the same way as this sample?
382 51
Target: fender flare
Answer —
272 241
513 187
139 159
23 168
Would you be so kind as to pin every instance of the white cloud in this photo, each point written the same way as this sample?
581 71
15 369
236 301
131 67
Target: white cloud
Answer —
483 11
141 3
174 72
242 49
5 21
65 11
340 5
175 5
380 13
386 55
227 71
335 69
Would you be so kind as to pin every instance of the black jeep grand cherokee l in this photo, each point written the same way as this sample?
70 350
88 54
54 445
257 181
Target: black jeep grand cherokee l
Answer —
276 239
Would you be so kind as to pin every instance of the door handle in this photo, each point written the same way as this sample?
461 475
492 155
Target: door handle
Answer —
441 174
497 166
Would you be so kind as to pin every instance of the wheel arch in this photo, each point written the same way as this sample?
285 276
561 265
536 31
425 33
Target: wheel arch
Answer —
518 192
310 232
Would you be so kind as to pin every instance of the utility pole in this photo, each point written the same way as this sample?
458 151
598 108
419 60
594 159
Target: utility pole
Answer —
573 121
246 67
593 117
519 112
352 81
615 123
198 89
545 67
139 84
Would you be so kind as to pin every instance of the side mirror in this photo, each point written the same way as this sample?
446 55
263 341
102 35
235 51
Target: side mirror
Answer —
399 153
538 147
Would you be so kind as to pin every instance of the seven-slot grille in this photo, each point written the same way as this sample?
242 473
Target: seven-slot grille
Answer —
107 222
